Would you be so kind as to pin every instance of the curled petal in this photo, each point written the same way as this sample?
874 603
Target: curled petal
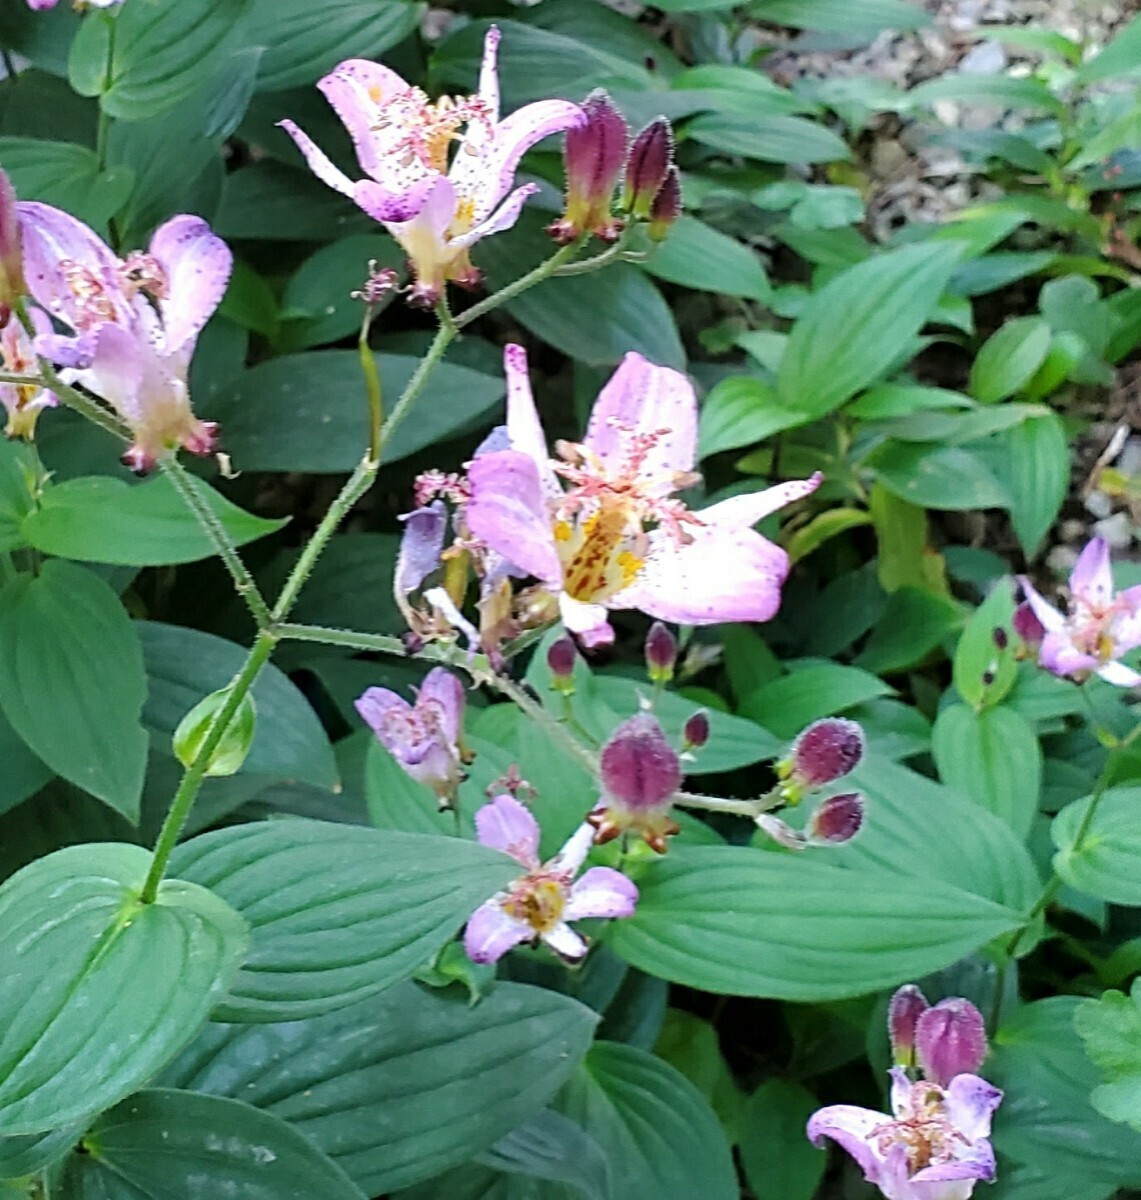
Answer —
573 854
851 1127
1059 655
1091 580
491 932
421 545
503 218
524 429
586 621
116 371
419 215
319 162
971 1102
601 892
1051 619
507 825
565 942
73 352
1119 675
197 264
445 692
356 89
489 72
375 707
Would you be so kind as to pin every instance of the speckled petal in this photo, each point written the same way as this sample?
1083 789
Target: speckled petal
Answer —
356 88
1091 580
491 932
197 264
566 943
507 825
851 1127
319 162
601 892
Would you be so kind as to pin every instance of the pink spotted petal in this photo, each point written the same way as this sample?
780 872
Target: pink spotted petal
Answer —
1052 620
573 854
1119 675
971 1102
197 264
524 430
502 219
318 161
507 825
117 371
748 509
649 400
566 943
446 692
601 892
77 352
851 1128
489 72
508 511
588 622
491 932
1059 655
975 1164
422 210
376 704
1092 578
356 89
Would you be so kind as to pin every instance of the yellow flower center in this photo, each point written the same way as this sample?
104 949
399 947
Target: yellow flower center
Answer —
539 900
598 552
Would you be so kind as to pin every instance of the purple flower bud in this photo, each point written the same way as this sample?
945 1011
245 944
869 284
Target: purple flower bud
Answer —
837 820
661 653
561 658
639 772
696 731
906 1007
666 207
1028 627
646 170
826 751
595 154
12 285
950 1040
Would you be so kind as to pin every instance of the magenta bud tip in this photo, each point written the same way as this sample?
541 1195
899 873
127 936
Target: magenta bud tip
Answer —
826 751
640 770
950 1040
696 731
906 1007
661 652
837 820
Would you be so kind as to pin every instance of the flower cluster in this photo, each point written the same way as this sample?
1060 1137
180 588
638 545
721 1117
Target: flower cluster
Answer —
934 1145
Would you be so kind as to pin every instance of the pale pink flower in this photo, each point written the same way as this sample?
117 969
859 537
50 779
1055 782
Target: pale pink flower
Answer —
23 402
933 1146
600 528
435 208
1098 629
540 904
134 321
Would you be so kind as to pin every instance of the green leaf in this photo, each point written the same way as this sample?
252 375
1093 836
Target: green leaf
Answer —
1122 56
1008 358
778 1159
778 138
936 476
549 1147
992 756
307 412
184 665
65 175
741 411
838 16
158 50
914 622
969 88
698 256
337 912
303 42
1111 1030
741 921
17 477
405 1084
983 672
1107 864
163 1144
660 1136
817 689
72 682
99 519
267 200
1036 458
854 328
99 991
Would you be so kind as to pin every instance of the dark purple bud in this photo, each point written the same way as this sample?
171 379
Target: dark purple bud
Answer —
906 1007
12 285
837 820
1001 640
595 154
640 770
661 653
647 167
421 545
696 731
561 658
666 207
950 1040
824 752
1027 626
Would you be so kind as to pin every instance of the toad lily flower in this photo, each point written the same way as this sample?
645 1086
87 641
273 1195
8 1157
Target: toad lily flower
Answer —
424 737
611 535
134 322
436 210
934 1145
23 402
1099 628
539 905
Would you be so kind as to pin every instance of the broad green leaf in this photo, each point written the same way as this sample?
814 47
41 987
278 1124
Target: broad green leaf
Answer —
65 175
158 49
741 86
162 1144
1009 358
25 1155
698 256
99 519
337 912
741 411
854 328
100 991
23 774
969 88
692 1046
721 919
914 622
1107 864
838 16
823 528
778 1159
1037 465
303 42
267 200
778 138
42 37
955 428
817 689
308 412
660 1136
184 665
1111 1030
1046 1119
904 556
889 400
984 671
403 1085
548 1147
72 682
17 479
936 476
1122 56
992 756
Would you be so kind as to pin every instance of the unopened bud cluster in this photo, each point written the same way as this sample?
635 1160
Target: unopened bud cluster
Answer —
942 1041
598 154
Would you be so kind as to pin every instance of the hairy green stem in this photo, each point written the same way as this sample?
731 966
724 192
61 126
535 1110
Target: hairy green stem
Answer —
371 386
543 271
186 485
